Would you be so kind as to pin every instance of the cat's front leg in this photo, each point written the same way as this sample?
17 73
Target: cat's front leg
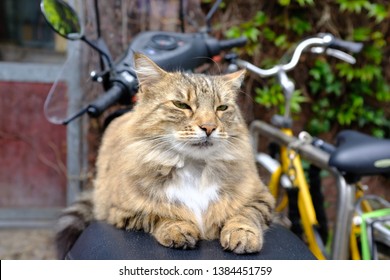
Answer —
176 234
168 232
243 233
241 236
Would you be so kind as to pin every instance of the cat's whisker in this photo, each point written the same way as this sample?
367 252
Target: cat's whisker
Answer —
223 135
173 146
164 145
180 146
213 61
186 134
232 144
156 145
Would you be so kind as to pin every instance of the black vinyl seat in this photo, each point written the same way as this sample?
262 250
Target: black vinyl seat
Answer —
360 154
101 241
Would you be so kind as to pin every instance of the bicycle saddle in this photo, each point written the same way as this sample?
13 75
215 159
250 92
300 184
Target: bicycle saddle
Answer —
360 154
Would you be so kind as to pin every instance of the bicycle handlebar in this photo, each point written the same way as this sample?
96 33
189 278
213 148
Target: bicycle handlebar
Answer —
305 137
325 146
320 44
348 45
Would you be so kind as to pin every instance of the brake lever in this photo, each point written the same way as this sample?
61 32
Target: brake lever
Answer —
334 42
335 53
341 55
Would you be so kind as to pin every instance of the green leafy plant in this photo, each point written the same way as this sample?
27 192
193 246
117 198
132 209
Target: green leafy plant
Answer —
272 96
300 2
355 90
250 29
337 95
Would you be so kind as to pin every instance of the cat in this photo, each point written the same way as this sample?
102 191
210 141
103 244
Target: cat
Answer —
179 166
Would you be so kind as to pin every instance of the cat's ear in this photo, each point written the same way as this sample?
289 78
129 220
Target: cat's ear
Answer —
147 71
235 78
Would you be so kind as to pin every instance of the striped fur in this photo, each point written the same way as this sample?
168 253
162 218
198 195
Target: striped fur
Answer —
180 166
72 221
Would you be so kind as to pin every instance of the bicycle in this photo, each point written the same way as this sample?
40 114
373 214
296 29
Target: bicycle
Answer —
288 181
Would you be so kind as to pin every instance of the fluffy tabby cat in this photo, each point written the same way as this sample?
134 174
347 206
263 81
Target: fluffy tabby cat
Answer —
180 166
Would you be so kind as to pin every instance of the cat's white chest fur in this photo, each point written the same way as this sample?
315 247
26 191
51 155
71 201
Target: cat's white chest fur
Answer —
192 188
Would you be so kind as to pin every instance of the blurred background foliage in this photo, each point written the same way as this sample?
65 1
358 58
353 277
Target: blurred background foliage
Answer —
331 95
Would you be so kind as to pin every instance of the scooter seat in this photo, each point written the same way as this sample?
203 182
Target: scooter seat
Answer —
360 154
101 241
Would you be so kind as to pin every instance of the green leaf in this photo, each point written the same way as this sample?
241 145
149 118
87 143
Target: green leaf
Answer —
377 132
361 34
353 6
369 72
335 88
377 11
270 96
317 126
251 33
345 71
303 3
260 18
300 26
357 101
374 54
315 86
269 34
284 2
281 40
233 32
315 74
297 99
383 92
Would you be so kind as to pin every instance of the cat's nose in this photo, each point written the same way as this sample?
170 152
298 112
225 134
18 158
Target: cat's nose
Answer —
208 128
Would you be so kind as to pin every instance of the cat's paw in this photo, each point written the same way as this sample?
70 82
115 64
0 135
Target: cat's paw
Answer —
178 235
241 241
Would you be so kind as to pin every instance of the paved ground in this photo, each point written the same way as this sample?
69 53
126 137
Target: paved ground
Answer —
27 244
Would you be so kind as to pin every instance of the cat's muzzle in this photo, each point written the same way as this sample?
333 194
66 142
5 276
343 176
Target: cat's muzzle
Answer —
203 144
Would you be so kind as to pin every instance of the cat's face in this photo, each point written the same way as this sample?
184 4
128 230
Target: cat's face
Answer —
195 115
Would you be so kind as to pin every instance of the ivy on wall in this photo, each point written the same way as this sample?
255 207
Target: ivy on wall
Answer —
332 95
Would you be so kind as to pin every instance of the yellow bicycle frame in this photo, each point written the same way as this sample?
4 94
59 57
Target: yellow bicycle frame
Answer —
291 166
355 228
305 204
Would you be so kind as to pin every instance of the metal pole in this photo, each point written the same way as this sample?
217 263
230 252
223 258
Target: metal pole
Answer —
75 130
343 224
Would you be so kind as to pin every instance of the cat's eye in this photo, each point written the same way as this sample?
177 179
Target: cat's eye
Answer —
181 105
222 108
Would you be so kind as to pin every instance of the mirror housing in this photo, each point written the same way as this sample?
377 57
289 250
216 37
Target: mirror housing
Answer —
62 18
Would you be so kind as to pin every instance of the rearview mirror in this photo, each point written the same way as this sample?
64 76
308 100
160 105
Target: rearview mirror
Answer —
62 18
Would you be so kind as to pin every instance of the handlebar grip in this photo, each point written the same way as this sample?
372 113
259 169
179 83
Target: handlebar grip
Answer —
112 96
326 147
232 43
354 47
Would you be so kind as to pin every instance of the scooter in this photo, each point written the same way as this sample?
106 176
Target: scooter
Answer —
171 51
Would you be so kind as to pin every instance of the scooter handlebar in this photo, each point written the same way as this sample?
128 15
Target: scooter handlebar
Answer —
232 43
119 90
112 96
